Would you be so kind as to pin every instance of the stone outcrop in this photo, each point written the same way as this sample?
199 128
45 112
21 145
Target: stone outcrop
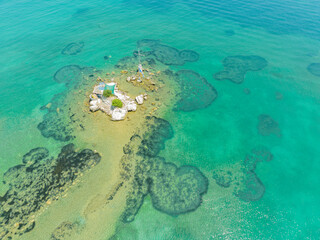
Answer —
98 102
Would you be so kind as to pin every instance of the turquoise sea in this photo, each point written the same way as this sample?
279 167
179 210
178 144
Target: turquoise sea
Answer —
275 107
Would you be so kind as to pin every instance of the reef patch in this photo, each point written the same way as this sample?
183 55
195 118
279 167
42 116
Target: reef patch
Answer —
196 93
243 180
267 126
173 190
168 55
73 48
235 67
314 69
41 180
59 120
67 74
64 231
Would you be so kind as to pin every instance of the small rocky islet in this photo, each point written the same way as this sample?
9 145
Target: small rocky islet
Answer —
64 116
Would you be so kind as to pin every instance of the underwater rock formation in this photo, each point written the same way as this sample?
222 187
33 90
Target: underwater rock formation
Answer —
252 189
37 183
56 124
64 231
235 67
268 126
176 190
35 155
196 92
73 48
173 190
67 74
258 154
244 181
314 68
159 130
223 178
168 55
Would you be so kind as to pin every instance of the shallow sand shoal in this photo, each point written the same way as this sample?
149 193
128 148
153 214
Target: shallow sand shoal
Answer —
97 199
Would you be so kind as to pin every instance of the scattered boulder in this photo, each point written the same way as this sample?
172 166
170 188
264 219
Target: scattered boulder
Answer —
131 106
118 114
139 99
235 67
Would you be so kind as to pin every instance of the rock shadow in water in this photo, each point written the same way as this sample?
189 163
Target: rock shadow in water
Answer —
235 67
166 54
173 190
38 182
73 48
314 69
246 184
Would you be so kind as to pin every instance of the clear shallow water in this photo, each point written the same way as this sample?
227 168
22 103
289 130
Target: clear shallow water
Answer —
285 34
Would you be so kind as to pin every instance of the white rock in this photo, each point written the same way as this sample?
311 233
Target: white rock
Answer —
94 108
118 114
93 102
128 79
131 106
139 99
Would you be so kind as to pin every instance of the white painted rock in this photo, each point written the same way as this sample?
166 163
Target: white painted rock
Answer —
131 106
139 99
94 108
118 114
